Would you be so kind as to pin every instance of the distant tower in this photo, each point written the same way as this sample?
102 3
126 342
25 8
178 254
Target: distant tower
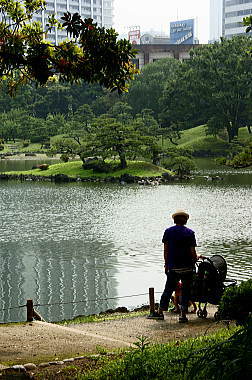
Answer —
234 12
101 11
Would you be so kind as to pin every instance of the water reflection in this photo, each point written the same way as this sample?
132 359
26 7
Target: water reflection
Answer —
53 252
44 274
8 164
74 242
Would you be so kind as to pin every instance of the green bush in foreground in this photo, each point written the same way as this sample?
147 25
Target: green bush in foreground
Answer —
228 360
236 302
226 355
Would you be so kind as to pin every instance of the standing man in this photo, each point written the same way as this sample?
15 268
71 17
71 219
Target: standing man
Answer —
179 259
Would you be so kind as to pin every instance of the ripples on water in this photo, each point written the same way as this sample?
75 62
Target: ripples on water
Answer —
75 242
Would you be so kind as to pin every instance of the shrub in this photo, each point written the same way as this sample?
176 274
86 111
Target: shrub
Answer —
1 147
177 151
89 162
43 166
102 167
181 165
236 302
64 157
98 166
242 159
228 360
221 160
26 144
35 139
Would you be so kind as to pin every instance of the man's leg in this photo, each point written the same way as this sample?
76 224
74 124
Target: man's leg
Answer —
186 279
170 286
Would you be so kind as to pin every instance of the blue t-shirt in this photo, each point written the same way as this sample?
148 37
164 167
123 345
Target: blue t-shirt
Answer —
179 239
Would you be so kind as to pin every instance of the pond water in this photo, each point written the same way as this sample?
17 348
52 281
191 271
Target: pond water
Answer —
80 248
8 164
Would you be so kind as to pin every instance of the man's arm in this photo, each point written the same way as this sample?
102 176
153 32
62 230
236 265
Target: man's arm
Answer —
195 256
166 253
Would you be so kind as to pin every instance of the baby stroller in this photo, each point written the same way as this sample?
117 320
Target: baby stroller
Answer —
209 283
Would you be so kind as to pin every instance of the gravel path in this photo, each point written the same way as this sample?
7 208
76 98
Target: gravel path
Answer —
40 341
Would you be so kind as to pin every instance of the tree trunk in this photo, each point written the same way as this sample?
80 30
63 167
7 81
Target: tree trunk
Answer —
155 159
232 130
123 162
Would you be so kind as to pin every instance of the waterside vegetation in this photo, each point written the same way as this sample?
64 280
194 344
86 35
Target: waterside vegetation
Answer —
74 169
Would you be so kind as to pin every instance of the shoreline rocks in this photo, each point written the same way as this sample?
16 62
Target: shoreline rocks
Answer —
123 179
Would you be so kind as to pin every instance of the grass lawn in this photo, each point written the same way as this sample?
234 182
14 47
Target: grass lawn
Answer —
195 139
74 169
173 361
190 135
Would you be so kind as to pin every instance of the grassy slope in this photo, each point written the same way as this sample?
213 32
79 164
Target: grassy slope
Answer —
196 139
74 169
191 135
161 361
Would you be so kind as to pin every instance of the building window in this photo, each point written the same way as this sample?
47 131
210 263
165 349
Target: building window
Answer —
235 2
234 25
243 12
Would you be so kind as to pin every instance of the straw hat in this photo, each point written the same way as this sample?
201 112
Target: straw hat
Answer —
181 213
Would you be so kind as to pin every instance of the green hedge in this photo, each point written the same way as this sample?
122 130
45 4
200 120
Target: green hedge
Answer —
236 302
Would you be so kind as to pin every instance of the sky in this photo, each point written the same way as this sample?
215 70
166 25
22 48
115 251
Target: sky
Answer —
156 15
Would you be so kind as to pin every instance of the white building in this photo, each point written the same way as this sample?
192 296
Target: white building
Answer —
216 20
226 18
101 11
234 12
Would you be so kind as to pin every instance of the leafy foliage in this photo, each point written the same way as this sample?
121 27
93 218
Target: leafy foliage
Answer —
225 355
146 90
212 87
180 164
93 55
99 166
111 138
228 360
247 21
242 159
236 302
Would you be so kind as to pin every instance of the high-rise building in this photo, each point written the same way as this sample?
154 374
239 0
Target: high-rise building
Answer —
101 11
216 20
226 18
234 12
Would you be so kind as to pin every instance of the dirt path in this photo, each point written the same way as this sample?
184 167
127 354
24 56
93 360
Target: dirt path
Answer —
40 341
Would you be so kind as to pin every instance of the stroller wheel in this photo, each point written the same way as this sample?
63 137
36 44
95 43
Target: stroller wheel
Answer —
199 313
202 313
217 316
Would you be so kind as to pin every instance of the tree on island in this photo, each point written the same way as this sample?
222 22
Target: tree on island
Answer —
111 138
93 54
